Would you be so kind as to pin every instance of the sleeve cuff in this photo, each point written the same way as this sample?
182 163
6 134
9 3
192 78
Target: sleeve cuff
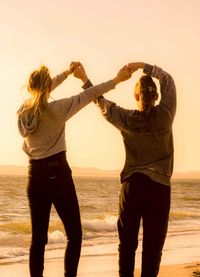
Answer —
148 68
87 84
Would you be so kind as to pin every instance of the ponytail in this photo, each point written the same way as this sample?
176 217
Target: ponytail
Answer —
39 85
148 94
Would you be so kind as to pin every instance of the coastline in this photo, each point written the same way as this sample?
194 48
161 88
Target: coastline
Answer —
180 259
97 266
102 260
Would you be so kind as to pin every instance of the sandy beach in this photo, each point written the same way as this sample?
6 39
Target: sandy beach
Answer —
102 260
96 266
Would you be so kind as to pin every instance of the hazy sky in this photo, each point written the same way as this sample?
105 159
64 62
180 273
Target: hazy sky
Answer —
104 35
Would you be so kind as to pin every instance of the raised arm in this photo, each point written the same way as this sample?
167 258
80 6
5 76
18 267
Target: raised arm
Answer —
79 72
113 113
58 79
77 102
167 90
167 85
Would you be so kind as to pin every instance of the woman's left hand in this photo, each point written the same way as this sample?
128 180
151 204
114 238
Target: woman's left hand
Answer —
79 71
123 74
135 66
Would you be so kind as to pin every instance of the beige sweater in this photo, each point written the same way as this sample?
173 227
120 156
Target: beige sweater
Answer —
43 134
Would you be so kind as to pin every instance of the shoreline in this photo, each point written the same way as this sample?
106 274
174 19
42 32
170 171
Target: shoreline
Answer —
180 259
97 266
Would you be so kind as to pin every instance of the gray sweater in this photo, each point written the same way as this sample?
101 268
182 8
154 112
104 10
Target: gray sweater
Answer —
147 152
44 135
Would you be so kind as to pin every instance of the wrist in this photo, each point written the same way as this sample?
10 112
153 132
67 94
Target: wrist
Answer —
84 79
66 73
116 80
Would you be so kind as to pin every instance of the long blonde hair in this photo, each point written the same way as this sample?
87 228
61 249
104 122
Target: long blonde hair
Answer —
39 85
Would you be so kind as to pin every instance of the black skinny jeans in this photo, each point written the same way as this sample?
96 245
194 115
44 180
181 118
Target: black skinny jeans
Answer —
142 198
50 182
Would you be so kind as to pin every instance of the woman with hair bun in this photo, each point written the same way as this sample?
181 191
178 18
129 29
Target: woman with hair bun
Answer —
145 178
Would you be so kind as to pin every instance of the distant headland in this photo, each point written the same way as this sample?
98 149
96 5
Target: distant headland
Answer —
77 171
88 171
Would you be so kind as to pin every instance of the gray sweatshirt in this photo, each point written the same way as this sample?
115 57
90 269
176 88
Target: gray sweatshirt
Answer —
147 152
44 135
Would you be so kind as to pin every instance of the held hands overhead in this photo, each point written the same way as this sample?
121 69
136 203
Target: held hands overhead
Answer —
125 73
77 69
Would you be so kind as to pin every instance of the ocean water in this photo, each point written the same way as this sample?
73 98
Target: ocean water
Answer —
98 200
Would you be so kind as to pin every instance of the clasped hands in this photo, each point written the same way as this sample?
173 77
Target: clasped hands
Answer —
125 73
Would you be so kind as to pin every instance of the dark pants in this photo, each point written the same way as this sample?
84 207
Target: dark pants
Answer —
50 182
142 198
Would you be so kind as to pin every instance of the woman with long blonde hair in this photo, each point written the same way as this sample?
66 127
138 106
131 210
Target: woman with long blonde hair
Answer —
42 124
